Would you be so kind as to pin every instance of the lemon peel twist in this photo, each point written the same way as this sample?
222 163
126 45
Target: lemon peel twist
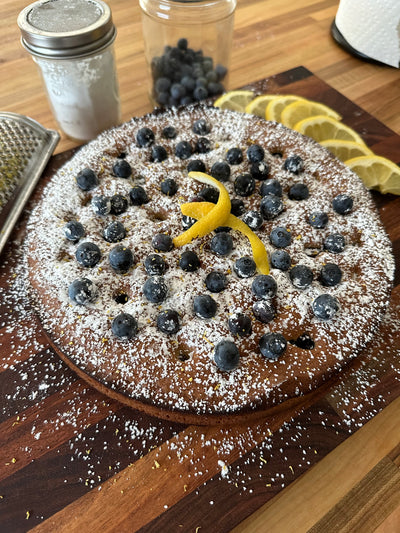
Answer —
201 209
210 216
213 218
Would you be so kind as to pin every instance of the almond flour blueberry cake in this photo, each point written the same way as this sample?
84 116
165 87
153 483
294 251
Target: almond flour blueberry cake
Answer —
207 266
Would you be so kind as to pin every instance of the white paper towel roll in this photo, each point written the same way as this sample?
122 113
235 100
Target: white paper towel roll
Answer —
372 27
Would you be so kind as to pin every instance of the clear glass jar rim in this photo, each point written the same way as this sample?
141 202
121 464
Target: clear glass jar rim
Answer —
211 10
145 4
208 2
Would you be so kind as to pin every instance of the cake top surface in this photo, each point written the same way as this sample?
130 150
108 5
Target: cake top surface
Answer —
325 314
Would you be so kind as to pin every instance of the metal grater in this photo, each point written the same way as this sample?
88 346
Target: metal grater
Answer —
25 148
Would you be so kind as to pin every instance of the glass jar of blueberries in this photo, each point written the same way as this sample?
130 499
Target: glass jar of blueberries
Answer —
187 47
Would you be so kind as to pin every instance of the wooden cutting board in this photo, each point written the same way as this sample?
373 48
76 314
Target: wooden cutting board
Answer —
73 460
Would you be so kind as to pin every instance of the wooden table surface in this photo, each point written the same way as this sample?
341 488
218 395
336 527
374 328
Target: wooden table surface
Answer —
350 478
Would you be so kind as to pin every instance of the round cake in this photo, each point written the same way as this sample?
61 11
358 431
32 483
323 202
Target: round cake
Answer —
207 266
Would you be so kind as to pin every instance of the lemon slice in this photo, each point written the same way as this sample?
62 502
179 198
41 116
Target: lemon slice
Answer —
377 173
235 100
214 218
296 111
258 105
199 210
275 107
322 128
345 150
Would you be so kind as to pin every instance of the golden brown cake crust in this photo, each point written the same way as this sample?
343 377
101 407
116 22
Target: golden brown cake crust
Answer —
175 376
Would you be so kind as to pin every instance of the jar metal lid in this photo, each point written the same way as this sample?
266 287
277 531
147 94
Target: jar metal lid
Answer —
65 29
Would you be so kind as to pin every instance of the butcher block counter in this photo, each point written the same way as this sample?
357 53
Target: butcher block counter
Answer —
73 460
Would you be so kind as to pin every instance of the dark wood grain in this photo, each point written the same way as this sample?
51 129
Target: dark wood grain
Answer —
74 460
259 474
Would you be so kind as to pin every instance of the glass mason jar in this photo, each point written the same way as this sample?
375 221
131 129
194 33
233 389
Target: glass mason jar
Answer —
188 47
72 43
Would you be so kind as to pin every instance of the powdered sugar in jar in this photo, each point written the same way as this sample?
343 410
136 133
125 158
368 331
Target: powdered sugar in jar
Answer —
72 43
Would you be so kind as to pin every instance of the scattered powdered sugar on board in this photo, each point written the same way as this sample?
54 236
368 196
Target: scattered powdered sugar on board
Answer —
98 438
104 439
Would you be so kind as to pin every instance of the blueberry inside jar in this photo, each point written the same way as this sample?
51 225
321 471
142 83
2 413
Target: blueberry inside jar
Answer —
187 48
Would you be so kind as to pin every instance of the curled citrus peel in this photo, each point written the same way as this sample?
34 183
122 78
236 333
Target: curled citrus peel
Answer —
213 218
210 216
257 247
201 209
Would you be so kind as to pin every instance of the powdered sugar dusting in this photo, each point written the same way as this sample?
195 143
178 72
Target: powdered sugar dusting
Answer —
148 368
